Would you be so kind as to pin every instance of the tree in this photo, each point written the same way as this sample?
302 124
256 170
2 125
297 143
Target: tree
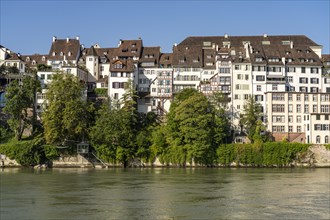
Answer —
251 116
67 115
222 129
190 129
114 134
20 98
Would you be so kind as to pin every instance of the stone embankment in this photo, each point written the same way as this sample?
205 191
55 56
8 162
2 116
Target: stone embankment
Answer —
316 156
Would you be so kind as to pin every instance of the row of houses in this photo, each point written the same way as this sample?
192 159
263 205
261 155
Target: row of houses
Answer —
288 75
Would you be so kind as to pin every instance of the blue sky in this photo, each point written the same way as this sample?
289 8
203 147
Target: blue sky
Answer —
27 27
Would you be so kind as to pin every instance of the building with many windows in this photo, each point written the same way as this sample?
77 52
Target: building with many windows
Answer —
287 75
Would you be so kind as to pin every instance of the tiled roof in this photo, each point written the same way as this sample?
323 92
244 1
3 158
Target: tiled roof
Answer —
70 48
296 49
165 59
35 59
129 48
150 55
14 57
126 66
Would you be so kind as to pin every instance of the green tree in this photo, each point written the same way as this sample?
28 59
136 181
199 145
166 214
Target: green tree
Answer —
222 128
67 114
251 115
190 129
20 96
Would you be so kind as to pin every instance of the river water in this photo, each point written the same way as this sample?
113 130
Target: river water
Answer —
165 193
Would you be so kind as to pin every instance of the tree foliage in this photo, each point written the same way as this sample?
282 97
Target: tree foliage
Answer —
20 96
251 117
67 114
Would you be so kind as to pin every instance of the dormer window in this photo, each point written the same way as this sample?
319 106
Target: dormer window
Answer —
54 54
259 59
133 45
299 51
287 52
61 54
181 61
311 60
195 60
27 59
302 60
69 54
33 62
208 56
43 58
308 51
118 66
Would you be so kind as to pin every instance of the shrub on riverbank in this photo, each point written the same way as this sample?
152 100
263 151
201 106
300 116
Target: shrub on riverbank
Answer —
29 152
266 154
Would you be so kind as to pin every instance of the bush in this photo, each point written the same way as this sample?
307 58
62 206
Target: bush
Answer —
266 154
29 152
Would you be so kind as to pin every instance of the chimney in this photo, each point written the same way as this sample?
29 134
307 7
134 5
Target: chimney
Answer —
120 42
54 38
291 44
175 44
265 35
226 35
67 39
77 37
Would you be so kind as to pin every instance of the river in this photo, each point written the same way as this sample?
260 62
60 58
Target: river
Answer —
165 193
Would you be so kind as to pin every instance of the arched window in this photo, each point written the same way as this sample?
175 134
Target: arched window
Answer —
318 139
43 58
326 139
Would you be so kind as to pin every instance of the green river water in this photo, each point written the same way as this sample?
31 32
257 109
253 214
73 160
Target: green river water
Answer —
165 193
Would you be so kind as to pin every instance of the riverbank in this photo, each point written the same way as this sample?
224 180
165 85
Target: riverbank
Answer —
317 156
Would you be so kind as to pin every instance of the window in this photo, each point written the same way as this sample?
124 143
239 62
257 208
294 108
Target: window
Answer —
306 97
42 76
258 87
314 81
298 97
237 67
318 117
278 97
306 109
239 76
278 118
259 98
278 108
303 69
224 70
318 139
314 98
246 96
298 128
260 78
118 66
291 69
274 87
303 80
325 108
326 117
298 108
246 77
290 97
290 128
314 108
326 139
290 118
290 79
290 108
314 70
116 96
298 119
278 129
303 89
